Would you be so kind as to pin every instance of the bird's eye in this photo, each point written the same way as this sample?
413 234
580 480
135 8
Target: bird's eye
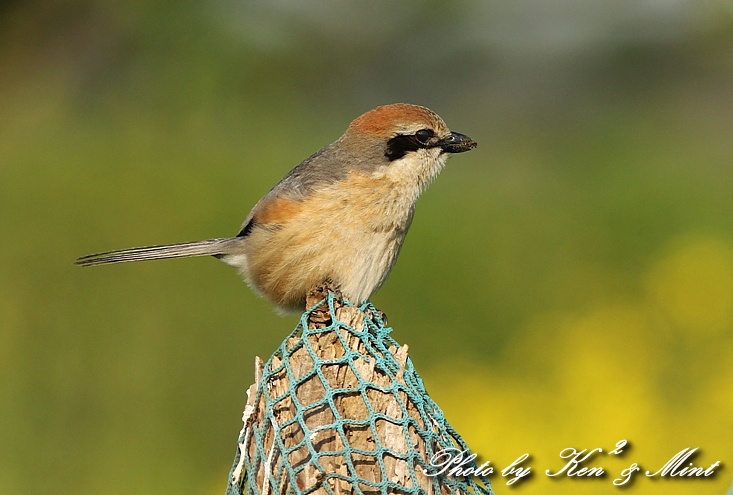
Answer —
423 135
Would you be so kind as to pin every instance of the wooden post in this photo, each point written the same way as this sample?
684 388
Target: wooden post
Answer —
346 419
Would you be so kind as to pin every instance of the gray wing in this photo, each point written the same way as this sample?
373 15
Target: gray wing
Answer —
326 166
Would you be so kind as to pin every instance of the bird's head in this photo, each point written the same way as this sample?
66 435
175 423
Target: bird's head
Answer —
405 139
408 128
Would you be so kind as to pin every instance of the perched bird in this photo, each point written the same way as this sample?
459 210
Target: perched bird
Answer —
340 216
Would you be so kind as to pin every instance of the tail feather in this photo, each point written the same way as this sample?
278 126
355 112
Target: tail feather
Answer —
209 247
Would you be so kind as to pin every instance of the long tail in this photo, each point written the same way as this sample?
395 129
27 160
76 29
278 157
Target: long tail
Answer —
209 247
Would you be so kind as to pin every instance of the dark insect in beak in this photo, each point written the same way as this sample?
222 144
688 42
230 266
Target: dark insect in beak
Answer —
456 143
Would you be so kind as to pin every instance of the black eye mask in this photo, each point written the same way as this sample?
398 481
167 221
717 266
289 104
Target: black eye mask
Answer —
400 145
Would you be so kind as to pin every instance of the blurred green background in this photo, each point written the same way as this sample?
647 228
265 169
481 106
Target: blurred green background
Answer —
567 284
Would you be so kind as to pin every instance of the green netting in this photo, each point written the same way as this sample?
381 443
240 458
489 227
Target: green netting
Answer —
265 463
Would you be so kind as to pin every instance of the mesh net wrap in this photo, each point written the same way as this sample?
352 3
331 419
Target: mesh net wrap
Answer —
339 408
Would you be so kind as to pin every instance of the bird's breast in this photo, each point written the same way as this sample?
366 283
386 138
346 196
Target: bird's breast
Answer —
349 232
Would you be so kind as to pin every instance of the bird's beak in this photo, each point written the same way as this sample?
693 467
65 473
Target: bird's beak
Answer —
456 143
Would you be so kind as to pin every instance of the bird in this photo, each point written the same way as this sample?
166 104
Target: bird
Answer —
339 217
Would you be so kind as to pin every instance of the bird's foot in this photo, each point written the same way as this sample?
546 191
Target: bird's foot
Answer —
379 313
320 292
